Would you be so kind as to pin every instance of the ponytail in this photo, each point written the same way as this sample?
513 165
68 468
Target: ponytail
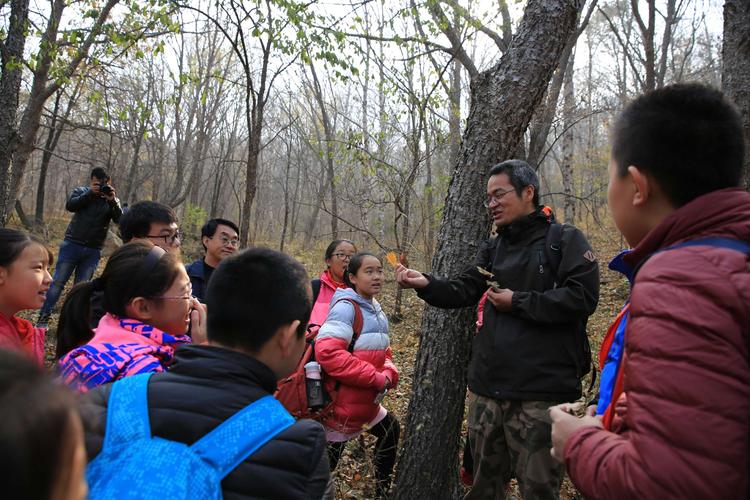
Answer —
134 270
74 330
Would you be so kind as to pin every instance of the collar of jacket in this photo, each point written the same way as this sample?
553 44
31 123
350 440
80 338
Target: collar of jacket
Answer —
520 227
218 363
725 212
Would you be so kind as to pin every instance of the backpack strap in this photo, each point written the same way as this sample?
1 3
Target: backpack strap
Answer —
127 411
553 247
713 241
315 284
238 437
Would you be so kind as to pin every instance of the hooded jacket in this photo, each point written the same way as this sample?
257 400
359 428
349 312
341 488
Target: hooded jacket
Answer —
361 374
682 424
120 347
534 352
205 386
91 217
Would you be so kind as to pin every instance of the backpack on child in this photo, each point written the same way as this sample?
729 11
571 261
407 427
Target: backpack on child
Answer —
133 464
292 390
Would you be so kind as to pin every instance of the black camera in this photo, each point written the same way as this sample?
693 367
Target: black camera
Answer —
105 189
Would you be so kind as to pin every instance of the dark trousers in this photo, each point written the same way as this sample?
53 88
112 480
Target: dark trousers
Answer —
387 432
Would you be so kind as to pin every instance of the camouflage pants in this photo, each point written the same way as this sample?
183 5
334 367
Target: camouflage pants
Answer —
512 439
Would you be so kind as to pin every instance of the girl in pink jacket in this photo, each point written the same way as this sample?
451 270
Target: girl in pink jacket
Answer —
359 373
149 308
24 281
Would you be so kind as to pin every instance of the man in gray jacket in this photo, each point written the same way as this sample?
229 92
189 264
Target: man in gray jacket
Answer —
93 207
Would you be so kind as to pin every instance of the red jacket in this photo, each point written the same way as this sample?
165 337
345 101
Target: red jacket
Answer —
685 430
360 375
18 334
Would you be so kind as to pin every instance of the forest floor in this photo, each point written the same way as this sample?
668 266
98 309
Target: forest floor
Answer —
354 477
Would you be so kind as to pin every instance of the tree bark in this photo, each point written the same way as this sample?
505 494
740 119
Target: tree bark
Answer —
568 144
503 101
735 77
10 85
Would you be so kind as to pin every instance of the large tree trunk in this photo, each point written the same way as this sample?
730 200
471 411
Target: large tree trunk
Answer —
503 101
735 77
10 85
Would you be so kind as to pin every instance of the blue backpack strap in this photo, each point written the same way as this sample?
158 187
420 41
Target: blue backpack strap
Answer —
229 444
127 411
728 243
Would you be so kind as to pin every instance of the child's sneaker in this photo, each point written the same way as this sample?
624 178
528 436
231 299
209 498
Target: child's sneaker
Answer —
42 321
467 478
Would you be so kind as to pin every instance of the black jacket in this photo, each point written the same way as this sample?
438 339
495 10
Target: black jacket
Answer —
198 279
535 352
92 215
205 386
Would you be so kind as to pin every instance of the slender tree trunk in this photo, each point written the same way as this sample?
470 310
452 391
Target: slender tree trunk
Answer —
503 101
568 144
53 135
735 78
454 121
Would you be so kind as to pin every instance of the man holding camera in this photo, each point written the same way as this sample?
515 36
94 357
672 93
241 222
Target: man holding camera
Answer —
93 206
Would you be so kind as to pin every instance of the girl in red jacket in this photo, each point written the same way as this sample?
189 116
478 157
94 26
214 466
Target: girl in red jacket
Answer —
337 257
24 281
359 372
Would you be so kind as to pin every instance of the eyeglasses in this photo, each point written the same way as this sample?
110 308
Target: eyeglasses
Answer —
343 256
234 242
189 296
169 239
495 197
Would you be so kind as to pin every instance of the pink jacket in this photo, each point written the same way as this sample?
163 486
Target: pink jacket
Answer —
359 375
121 347
18 334
682 424
327 288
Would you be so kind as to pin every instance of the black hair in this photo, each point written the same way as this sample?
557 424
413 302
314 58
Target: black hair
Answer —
520 174
35 440
136 222
332 247
354 264
688 136
252 294
14 242
100 173
209 228
124 277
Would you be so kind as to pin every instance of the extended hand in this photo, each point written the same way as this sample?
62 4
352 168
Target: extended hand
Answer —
198 322
409 278
501 298
563 425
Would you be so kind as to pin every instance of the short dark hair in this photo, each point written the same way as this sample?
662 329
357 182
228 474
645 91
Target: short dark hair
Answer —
688 136
14 242
35 439
136 222
124 278
354 264
332 247
209 228
99 173
252 294
520 175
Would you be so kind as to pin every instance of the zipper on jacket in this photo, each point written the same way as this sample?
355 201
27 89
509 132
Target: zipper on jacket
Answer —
541 267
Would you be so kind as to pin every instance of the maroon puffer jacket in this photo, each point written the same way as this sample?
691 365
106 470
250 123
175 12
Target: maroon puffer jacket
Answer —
686 427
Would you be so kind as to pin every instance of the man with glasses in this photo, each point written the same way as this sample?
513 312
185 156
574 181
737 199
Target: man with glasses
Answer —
153 222
220 239
531 350
93 207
